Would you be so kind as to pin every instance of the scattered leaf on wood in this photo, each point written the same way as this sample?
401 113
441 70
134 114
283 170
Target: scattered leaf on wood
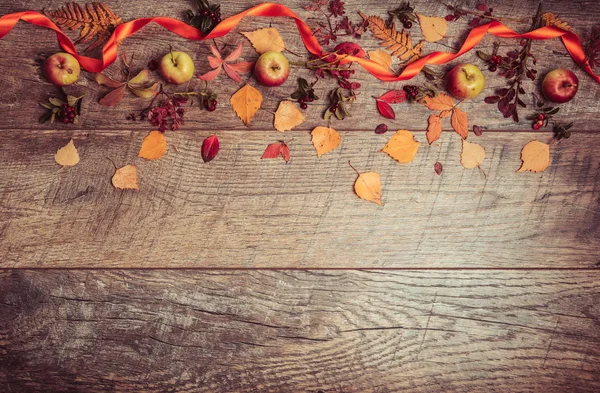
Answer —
385 109
246 102
549 19
472 155
287 116
67 155
218 63
265 40
96 20
393 97
477 131
114 97
433 28
275 150
137 85
154 146
325 139
460 123
368 187
210 148
535 156
381 57
126 178
438 168
434 128
398 43
440 102
381 129
402 147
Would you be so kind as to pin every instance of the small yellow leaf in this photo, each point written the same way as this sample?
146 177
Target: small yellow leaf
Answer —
154 146
402 147
460 123
368 187
441 102
126 178
265 40
246 102
535 156
287 116
472 154
325 139
434 128
433 28
67 155
381 57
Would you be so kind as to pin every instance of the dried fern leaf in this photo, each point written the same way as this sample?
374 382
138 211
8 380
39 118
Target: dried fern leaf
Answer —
96 21
549 19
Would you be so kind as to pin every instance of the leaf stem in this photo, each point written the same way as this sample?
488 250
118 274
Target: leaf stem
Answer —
355 170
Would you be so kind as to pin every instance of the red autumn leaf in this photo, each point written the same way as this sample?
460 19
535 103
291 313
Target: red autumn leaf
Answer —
114 97
210 148
438 168
393 97
218 63
381 129
272 151
350 48
385 109
285 151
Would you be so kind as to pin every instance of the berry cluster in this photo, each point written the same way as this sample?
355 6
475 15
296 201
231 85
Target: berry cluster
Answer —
207 16
411 91
67 114
539 122
303 101
168 114
405 22
305 93
495 61
209 103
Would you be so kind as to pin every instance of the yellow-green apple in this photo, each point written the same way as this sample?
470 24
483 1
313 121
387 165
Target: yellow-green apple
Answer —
465 81
271 69
176 67
62 69
560 85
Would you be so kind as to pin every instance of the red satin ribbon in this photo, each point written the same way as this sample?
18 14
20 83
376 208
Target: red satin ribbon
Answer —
109 51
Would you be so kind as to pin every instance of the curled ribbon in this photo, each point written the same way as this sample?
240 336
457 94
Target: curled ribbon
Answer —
109 51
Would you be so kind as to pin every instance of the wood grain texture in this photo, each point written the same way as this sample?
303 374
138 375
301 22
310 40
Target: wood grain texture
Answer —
241 211
303 331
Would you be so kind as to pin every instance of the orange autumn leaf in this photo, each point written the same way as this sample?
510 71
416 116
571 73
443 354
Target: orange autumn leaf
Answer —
445 113
441 102
368 187
382 57
154 146
287 116
433 28
549 19
535 156
460 123
67 155
402 147
245 102
325 139
472 155
126 178
434 128
265 40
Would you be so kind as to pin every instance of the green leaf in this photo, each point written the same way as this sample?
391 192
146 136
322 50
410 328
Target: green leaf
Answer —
140 78
47 106
483 56
72 100
45 117
147 92
55 101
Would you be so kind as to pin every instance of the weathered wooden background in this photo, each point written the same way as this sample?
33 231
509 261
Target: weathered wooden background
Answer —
494 283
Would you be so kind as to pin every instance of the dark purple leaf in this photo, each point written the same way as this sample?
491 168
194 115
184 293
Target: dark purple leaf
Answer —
491 99
530 75
477 130
520 102
381 129
474 22
502 92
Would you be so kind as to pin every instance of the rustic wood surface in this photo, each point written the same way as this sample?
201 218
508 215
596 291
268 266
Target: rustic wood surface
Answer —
493 284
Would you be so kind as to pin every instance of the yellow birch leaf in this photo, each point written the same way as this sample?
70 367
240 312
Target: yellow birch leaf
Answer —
402 147
460 123
441 102
368 187
472 154
245 102
535 156
154 146
325 139
265 40
287 116
434 128
67 155
381 57
126 178
433 28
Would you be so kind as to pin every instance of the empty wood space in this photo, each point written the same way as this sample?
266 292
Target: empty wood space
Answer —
230 276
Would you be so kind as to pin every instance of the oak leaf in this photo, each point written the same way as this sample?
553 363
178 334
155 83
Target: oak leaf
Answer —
441 102
287 116
398 43
460 123
325 139
126 178
218 63
402 147
154 146
265 40
549 19
380 56
434 128
246 102
368 187
433 28
472 155
67 155
535 156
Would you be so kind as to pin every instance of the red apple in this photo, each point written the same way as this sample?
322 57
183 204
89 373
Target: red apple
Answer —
62 69
465 81
271 69
560 85
176 67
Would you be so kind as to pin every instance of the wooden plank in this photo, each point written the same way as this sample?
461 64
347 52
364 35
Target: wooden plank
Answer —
303 331
24 85
241 211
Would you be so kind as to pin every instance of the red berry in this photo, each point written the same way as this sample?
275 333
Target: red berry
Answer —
535 126
407 24
303 105
493 68
541 116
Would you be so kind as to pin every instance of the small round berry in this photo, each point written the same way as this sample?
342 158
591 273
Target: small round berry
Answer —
303 105
407 25
541 116
493 68
540 123
535 126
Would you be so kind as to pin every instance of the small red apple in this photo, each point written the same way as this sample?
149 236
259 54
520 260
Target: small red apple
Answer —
560 85
465 81
271 69
62 69
176 67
